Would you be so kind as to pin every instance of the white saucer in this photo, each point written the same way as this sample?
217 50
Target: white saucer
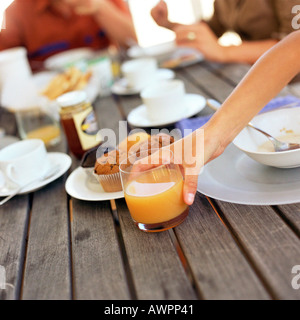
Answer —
193 103
235 177
120 87
55 158
80 186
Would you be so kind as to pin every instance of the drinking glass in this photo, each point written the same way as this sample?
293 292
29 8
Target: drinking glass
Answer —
35 123
154 192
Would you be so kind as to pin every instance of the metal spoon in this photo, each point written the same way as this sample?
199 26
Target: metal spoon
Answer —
278 145
46 176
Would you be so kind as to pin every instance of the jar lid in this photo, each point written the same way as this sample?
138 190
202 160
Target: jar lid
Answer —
71 98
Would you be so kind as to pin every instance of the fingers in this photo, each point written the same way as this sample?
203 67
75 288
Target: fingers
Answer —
190 189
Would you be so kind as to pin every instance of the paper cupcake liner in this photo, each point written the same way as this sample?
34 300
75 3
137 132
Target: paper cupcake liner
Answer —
110 182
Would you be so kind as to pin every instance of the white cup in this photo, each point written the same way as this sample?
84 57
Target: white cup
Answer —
14 65
164 100
23 161
139 72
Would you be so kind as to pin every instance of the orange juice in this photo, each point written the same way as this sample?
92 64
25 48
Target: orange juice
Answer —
155 196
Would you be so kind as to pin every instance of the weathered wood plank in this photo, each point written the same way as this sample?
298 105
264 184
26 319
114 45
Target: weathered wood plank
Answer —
156 269
270 244
13 232
13 228
97 262
47 273
211 84
219 267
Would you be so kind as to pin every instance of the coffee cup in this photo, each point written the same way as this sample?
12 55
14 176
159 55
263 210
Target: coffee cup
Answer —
164 100
23 161
139 72
14 65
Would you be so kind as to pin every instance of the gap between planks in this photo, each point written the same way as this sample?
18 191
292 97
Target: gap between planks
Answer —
243 250
286 220
129 278
19 287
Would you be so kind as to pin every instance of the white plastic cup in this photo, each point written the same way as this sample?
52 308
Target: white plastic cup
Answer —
164 100
23 161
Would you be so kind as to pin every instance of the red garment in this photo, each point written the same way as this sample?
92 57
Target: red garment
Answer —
43 31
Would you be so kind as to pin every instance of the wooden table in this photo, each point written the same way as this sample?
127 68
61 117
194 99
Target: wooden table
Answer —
56 247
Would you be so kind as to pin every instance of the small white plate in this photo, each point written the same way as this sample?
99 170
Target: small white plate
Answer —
138 117
42 79
183 57
61 60
234 177
55 158
80 186
120 87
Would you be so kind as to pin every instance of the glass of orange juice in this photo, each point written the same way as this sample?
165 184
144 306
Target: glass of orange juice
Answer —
35 123
154 192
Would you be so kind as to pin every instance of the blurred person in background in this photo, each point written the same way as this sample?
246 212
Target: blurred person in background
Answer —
47 27
259 23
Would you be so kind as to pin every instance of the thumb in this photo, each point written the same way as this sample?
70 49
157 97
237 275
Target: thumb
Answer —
190 188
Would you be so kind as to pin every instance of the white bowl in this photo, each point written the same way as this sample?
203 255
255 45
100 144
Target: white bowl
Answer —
160 52
278 123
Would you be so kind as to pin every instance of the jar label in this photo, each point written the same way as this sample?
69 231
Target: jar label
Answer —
87 128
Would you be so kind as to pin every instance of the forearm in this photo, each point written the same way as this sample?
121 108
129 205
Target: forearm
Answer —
116 24
263 82
247 52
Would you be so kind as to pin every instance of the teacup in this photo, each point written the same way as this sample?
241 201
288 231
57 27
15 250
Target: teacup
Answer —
23 161
164 100
14 65
139 72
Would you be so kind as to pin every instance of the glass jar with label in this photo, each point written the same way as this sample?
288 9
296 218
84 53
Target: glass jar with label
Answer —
79 122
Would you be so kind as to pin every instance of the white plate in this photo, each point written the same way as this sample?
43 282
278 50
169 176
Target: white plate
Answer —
55 158
80 186
42 79
235 177
160 51
193 103
61 60
182 57
120 87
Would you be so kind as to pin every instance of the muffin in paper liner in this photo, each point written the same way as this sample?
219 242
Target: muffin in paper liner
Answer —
110 182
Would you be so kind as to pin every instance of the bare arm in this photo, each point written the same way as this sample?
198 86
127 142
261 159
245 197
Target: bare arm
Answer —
263 82
207 42
115 22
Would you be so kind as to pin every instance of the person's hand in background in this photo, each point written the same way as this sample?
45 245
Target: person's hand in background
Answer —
200 37
115 22
160 15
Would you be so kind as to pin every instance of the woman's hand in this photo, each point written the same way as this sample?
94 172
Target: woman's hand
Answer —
202 38
190 153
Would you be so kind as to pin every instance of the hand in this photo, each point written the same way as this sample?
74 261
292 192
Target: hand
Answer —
86 7
202 38
160 14
189 154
